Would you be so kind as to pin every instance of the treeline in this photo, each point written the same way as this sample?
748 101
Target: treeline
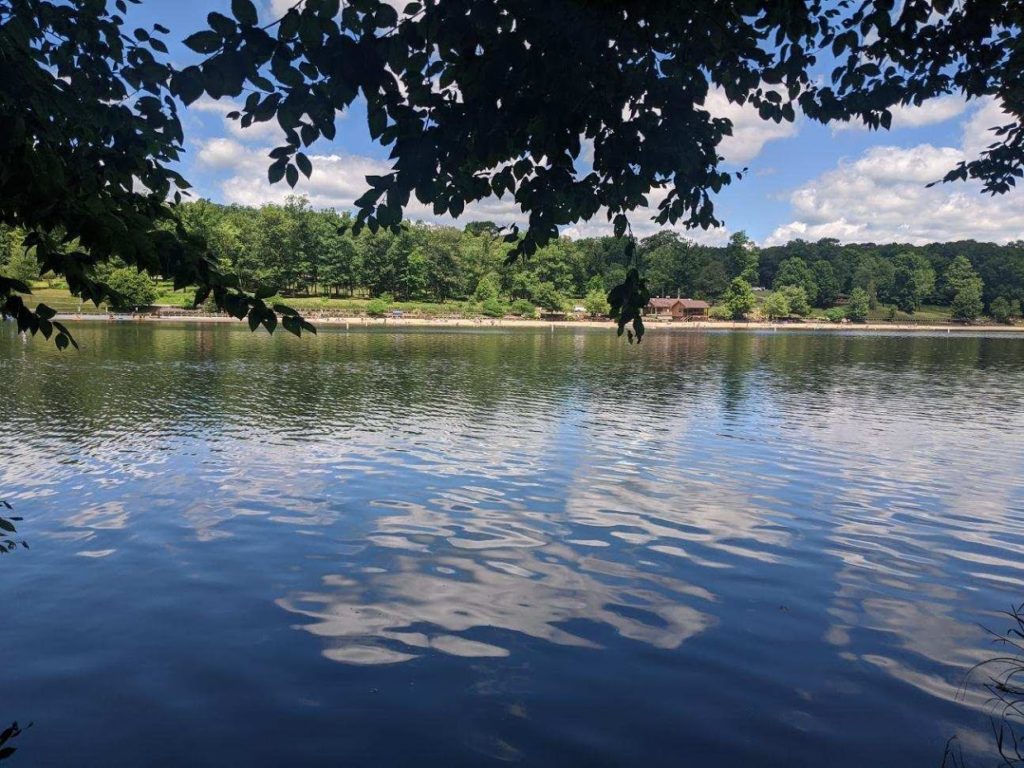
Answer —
301 251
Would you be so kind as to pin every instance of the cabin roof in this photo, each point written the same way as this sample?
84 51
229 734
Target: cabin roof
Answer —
668 303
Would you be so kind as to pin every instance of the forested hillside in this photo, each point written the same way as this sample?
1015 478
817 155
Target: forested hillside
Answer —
299 251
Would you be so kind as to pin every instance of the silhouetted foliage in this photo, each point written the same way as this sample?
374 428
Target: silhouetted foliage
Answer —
1005 683
8 531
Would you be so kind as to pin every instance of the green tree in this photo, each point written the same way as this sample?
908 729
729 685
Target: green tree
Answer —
958 275
487 288
549 298
596 303
776 306
131 289
859 305
797 298
1004 310
21 265
744 257
794 271
826 283
739 299
967 304
913 280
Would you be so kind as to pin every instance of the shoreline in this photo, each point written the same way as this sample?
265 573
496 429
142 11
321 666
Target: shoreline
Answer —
483 323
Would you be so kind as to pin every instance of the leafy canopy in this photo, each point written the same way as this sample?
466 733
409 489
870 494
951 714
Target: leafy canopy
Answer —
473 98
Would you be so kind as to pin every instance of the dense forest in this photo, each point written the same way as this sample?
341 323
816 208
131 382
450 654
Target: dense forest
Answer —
297 250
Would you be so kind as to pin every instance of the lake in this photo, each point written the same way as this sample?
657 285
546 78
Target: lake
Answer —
473 547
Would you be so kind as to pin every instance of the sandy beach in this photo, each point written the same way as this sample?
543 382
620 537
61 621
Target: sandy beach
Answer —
483 323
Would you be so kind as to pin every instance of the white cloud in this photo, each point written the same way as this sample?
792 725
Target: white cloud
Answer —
338 180
882 197
749 132
221 153
977 131
933 111
267 131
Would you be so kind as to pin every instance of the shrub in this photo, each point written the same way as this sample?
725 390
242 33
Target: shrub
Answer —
797 298
1004 309
492 308
776 306
548 297
376 308
834 315
133 288
596 302
719 312
487 288
523 308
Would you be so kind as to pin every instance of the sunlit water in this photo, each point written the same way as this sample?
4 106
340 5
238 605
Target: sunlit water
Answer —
463 548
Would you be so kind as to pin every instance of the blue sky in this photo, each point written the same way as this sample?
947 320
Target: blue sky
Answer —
804 180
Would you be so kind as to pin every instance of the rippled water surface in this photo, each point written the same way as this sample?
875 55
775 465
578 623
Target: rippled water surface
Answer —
466 548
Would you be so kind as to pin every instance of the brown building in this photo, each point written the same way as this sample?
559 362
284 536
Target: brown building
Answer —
678 309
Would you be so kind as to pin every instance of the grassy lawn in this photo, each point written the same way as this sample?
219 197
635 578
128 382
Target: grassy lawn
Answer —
62 301
926 314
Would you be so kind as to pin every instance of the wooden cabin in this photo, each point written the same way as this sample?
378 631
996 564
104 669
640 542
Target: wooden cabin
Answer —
678 309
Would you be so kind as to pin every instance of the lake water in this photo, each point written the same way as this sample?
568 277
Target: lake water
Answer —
477 547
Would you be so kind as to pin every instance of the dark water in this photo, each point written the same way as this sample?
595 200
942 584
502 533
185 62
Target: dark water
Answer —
454 548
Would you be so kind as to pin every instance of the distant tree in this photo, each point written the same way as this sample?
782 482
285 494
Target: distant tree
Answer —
776 306
548 297
794 271
959 273
739 299
826 282
967 303
743 256
712 280
859 305
131 289
796 296
1004 310
21 265
487 288
477 228
596 303
913 280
